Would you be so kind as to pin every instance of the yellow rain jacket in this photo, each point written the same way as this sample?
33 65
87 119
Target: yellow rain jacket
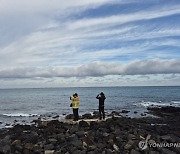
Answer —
75 102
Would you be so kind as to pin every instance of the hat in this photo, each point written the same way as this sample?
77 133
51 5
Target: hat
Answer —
76 94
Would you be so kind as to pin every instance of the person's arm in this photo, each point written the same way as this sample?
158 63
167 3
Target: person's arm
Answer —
71 97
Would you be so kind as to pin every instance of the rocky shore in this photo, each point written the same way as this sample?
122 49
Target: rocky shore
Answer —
116 134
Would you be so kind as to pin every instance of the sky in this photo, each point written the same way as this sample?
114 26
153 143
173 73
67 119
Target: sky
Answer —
82 43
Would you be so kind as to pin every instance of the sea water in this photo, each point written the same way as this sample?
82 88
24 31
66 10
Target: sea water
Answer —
23 105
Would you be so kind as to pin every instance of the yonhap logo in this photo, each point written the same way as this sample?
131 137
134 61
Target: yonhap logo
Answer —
143 145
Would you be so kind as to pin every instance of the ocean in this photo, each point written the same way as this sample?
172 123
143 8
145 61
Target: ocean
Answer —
24 105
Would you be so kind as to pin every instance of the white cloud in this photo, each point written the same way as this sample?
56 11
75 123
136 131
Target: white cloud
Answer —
125 18
97 69
39 39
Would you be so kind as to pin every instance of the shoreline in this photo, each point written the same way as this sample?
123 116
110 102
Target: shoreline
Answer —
116 134
27 119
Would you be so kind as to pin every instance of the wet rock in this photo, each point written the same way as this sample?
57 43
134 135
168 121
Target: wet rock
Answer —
110 136
69 116
29 137
5 149
37 147
43 123
87 116
96 113
174 138
125 111
74 129
83 123
7 124
87 141
6 140
77 152
49 147
115 113
49 151
37 152
15 121
80 133
66 126
105 134
131 137
133 151
53 140
116 148
55 117
16 142
143 114
54 123
129 145
153 152
72 137
167 151
28 146
166 137
19 148
100 145
77 143
109 151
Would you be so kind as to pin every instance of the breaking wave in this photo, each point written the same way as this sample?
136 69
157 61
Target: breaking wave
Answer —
19 115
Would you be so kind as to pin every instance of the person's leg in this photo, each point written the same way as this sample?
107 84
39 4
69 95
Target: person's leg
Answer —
74 114
100 116
77 114
103 112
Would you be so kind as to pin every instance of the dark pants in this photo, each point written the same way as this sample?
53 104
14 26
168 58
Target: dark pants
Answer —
101 112
76 115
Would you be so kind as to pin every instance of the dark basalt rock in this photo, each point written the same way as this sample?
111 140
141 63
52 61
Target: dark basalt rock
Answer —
87 116
83 123
69 116
125 111
114 135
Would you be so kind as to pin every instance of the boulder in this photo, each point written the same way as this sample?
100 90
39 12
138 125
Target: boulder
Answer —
133 151
125 111
83 123
80 133
16 142
72 137
28 146
153 152
87 116
49 147
49 151
129 145
77 143
69 116
5 149
167 151
53 141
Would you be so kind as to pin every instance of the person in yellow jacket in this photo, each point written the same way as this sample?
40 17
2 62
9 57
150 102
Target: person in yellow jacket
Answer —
75 106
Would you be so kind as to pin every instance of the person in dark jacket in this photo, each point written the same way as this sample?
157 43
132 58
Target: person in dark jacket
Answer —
101 98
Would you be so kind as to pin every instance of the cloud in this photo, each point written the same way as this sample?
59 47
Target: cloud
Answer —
41 37
125 18
43 40
96 69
